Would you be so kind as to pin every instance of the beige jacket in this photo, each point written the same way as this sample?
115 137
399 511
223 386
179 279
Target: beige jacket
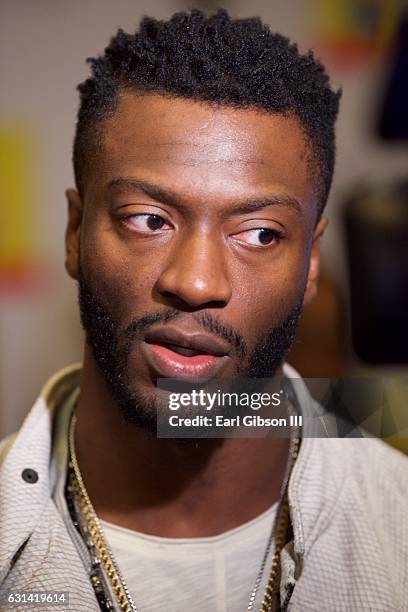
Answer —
348 501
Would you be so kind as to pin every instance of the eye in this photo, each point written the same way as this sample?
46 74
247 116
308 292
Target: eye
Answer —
260 236
145 222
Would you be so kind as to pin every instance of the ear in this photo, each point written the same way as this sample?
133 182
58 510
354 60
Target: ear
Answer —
72 233
314 265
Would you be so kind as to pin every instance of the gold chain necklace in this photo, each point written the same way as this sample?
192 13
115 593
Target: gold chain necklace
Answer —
76 485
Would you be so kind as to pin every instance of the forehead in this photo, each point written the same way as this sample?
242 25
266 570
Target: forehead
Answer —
205 149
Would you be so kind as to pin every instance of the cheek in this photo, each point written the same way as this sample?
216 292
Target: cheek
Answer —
266 294
124 282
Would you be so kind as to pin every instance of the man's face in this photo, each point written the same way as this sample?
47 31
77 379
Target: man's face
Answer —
194 243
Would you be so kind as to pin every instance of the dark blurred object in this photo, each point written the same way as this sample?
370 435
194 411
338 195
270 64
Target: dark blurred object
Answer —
376 220
393 122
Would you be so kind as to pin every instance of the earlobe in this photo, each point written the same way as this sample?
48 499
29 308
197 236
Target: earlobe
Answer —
314 265
73 232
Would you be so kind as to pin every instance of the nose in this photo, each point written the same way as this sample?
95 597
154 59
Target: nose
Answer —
196 274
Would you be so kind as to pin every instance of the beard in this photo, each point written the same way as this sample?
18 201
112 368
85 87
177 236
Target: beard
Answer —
111 350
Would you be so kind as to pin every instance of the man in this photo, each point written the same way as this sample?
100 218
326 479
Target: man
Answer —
203 159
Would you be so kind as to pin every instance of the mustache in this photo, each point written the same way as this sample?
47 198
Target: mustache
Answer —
206 321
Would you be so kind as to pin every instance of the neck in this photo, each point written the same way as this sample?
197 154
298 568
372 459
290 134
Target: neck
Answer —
170 488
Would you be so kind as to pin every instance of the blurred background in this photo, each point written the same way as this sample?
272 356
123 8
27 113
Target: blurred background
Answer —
358 324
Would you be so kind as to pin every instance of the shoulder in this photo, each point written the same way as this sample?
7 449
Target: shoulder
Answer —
36 427
348 499
380 473
348 481
372 462
363 465
22 505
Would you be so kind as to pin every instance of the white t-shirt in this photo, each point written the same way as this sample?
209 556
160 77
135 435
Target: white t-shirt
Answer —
213 574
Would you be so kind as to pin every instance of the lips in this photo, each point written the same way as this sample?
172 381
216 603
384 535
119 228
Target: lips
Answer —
173 353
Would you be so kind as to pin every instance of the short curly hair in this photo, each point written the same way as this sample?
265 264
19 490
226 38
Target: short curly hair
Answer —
217 59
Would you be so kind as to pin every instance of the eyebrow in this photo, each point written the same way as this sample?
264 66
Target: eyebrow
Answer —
133 185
